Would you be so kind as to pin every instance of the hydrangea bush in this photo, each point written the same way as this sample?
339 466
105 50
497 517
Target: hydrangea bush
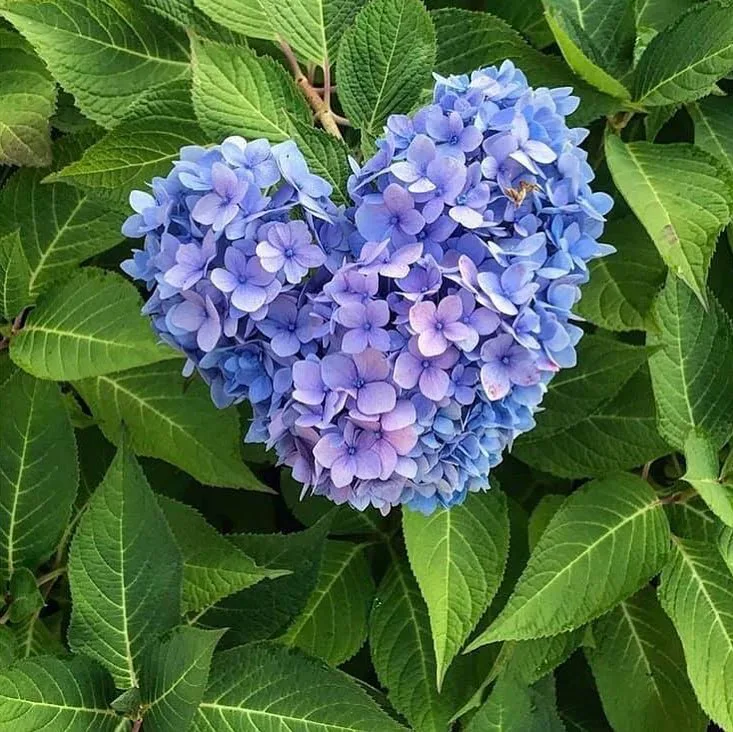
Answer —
432 428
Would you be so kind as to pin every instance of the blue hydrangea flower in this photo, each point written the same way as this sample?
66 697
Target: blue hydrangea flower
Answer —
393 350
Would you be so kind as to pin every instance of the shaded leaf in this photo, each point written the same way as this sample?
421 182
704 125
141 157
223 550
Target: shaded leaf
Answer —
692 519
26 598
248 17
15 277
713 118
701 457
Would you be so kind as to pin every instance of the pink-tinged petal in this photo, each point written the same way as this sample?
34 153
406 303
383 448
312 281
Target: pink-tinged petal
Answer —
355 341
458 332
342 471
525 373
407 370
402 440
450 308
368 464
351 315
329 449
434 383
372 365
422 316
378 312
406 467
432 343
495 381
403 415
387 457
376 397
447 360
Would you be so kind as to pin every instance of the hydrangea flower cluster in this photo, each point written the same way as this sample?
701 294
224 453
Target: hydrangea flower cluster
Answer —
394 349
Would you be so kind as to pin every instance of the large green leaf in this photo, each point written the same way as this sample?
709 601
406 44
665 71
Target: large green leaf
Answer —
85 43
596 39
59 226
173 677
658 14
140 148
38 471
402 651
618 434
171 420
513 706
458 557
692 392
264 686
212 566
713 118
467 41
665 76
235 91
312 27
697 594
527 17
47 693
15 277
268 608
682 195
703 474
90 325
333 624
531 660
692 519
25 596
384 61
125 572
639 667
248 17
604 544
27 101
622 287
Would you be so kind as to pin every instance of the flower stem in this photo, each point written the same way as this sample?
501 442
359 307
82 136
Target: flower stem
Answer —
320 106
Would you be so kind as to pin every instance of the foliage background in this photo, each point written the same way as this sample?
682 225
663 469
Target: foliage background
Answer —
161 575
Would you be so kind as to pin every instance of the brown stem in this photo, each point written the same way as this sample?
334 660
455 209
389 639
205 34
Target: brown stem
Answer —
320 107
137 725
341 120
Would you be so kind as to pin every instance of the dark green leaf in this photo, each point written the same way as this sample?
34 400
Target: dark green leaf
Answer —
25 597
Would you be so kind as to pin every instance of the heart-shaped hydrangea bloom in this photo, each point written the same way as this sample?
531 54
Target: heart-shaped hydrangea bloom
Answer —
438 306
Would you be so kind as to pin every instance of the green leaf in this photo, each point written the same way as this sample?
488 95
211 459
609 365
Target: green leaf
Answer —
705 32
384 61
608 540
622 287
212 566
514 707
468 41
597 50
543 512
90 325
326 156
618 434
724 541
713 118
658 14
171 420
692 519
27 101
248 17
143 146
312 27
691 391
333 624
38 471
526 17
697 594
682 196
639 667
34 637
59 226
125 572
14 277
268 608
402 651
25 597
265 686
174 676
7 646
86 42
235 91
458 557
703 469
531 660
49 693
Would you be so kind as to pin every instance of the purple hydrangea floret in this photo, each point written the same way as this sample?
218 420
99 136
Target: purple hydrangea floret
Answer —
393 349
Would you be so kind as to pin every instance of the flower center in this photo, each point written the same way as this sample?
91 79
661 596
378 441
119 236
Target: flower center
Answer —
359 382
367 326
438 326
394 219
454 140
425 364
351 450
289 252
505 360
461 199
291 327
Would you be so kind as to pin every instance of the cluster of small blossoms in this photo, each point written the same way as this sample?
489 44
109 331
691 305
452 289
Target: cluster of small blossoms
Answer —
437 307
